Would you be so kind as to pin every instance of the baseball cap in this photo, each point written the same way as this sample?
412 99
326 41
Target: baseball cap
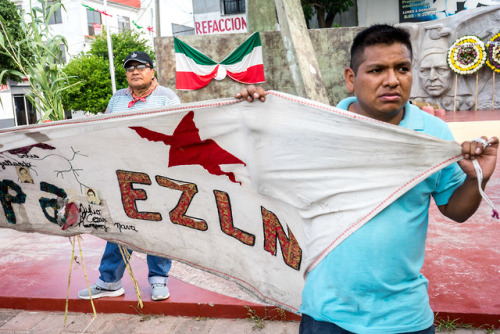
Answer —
139 56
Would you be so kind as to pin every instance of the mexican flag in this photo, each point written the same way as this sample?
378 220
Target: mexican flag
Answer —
245 63
195 70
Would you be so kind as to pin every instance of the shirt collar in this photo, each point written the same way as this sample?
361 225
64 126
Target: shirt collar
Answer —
412 118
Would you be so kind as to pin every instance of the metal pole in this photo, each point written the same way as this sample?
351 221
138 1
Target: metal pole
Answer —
152 34
157 17
110 49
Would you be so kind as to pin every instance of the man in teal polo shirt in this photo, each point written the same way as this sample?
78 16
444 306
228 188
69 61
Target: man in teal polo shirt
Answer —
371 282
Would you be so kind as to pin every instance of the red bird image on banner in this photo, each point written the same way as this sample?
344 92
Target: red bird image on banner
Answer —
187 148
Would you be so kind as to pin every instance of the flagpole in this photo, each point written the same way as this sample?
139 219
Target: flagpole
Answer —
110 49
157 18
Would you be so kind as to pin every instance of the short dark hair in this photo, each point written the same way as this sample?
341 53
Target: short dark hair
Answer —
377 34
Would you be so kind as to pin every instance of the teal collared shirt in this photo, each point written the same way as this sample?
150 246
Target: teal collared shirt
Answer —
414 118
371 282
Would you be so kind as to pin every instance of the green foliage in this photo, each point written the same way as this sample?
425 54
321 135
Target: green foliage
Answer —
94 90
92 69
43 67
490 330
449 325
11 20
326 10
259 322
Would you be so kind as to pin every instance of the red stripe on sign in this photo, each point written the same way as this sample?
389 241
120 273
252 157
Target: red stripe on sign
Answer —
253 74
192 81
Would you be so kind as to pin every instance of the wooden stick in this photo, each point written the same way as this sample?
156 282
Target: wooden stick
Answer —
86 279
477 82
493 100
455 98
131 273
69 280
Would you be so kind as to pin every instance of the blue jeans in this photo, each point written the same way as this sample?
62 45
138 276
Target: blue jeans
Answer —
112 268
309 325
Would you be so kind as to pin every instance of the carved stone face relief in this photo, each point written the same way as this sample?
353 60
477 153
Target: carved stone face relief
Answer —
434 75
434 81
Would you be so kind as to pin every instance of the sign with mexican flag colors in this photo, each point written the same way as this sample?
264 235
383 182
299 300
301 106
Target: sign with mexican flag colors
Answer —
194 70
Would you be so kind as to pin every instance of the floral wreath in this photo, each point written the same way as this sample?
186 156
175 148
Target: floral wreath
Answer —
467 55
493 52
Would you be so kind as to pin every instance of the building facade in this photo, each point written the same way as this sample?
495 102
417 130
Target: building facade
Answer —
220 17
79 23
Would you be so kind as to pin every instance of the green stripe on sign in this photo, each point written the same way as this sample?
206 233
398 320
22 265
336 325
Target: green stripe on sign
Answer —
195 55
244 49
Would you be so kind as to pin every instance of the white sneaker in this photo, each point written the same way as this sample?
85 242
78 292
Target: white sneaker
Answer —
159 291
98 292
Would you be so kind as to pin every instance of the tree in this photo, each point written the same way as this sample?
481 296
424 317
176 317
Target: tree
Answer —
11 20
43 66
325 10
92 69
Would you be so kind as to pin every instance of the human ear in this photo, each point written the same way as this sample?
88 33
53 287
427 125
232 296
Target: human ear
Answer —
349 79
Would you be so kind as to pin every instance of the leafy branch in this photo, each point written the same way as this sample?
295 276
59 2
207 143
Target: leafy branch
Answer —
43 67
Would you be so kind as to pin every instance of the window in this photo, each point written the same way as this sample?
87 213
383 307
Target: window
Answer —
123 24
24 112
93 17
233 6
56 17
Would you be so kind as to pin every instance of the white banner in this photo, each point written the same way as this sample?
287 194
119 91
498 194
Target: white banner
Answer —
255 192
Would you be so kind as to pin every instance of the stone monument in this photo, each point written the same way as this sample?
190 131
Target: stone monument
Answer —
433 80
